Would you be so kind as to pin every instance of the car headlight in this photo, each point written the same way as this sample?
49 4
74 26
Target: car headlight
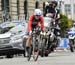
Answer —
71 35
16 38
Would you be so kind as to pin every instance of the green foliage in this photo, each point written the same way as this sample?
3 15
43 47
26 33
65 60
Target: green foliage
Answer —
65 22
70 22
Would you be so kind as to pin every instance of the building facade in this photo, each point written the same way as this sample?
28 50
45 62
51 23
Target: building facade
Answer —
18 9
22 9
67 7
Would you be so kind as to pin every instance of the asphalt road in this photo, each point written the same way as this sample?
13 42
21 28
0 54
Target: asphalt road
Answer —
56 58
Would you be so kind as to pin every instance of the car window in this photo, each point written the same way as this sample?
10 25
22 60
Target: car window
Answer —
18 30
4 30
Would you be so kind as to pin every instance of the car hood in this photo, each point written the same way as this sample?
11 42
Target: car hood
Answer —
5 35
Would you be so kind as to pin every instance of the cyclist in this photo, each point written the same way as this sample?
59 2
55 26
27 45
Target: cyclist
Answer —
49 10
52 12
35 20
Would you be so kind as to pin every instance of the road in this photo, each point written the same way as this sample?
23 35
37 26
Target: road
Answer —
56 58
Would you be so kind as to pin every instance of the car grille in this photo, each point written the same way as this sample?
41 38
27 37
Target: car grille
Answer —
4 40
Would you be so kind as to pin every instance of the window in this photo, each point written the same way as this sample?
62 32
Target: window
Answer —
2 4
5 9
25 8
74 8
5 5
18 8
37 4
44 8
68 8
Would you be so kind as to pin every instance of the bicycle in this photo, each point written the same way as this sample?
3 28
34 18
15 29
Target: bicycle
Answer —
45 38
44 44
35 42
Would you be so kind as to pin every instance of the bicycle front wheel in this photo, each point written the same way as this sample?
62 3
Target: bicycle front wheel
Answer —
29 52
35 49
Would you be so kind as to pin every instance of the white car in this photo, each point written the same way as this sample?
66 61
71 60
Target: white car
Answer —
12 40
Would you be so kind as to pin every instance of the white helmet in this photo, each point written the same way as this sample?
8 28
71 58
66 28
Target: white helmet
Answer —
37 12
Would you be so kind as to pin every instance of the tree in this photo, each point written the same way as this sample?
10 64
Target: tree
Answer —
65 23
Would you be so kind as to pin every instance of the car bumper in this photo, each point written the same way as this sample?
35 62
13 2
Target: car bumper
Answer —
10 50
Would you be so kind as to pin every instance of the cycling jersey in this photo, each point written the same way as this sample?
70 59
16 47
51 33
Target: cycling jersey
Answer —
33 22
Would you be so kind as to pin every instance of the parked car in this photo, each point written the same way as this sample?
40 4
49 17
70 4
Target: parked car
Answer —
12 40
13 23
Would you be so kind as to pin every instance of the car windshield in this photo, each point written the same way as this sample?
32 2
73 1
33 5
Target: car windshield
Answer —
18 29
4 30
12 26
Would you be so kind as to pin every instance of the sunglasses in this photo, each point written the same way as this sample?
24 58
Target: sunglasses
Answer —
37 15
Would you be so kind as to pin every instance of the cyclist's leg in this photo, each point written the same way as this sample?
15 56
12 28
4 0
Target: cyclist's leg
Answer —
28 47
28 41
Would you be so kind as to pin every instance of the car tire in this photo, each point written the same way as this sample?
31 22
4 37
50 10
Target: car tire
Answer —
9 56
24 54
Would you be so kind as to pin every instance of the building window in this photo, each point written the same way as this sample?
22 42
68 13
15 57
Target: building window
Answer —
74 8
25 8
37 4
18 8
68 9
5 9
5 5
44 8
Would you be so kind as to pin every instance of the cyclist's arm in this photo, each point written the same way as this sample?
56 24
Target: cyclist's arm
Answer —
30 24
42 23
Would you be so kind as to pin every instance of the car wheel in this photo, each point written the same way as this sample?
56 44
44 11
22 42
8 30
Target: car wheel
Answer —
9 56
24 54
